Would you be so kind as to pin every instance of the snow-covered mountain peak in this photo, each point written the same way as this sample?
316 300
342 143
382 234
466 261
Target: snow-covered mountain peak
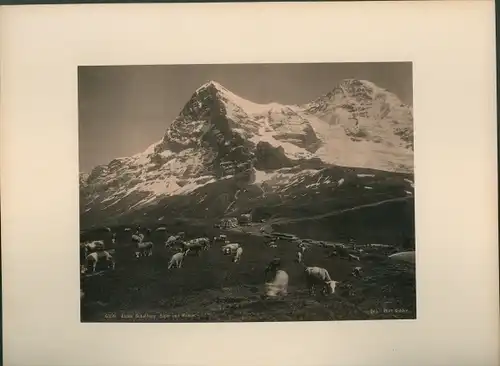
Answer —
219 134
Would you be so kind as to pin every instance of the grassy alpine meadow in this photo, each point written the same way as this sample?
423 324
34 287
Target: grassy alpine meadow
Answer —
211 288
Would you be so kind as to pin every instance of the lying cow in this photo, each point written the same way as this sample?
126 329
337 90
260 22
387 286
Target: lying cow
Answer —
238 254
176 260
96 257
144 249
230 248
278 285
317 276
221 237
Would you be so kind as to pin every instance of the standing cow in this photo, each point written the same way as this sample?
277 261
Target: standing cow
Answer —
144 249
317 276
94 258
176 260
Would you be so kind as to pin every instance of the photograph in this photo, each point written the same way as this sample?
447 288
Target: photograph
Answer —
270 192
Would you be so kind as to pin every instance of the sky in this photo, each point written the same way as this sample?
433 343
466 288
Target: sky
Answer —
125 109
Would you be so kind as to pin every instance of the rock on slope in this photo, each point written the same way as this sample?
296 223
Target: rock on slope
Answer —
222 145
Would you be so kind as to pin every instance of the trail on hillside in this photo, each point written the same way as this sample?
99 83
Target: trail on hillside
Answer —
338 212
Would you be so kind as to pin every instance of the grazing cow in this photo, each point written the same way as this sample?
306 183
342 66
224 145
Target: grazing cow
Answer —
204 242
279 284
95 245
230 248
194 247
94 258
144 249
127 229
317 276
357 271
176 260
171 240
299 257
238 254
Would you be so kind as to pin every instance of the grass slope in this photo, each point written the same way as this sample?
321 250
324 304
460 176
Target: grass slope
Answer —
212 288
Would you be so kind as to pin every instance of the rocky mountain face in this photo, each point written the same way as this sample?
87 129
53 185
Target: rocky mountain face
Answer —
224 153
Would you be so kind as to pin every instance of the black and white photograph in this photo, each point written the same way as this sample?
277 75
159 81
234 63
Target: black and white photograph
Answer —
246 192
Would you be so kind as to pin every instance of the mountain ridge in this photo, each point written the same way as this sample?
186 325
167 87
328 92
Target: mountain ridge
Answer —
219 136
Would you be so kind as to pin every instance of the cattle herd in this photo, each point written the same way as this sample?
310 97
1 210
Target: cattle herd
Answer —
94 254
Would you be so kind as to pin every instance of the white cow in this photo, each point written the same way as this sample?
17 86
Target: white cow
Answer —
94 258
238 254
127 229
204 242
279 284
230 248
176 260
171 240
299 257
95 245
317 276
137 238
144 249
